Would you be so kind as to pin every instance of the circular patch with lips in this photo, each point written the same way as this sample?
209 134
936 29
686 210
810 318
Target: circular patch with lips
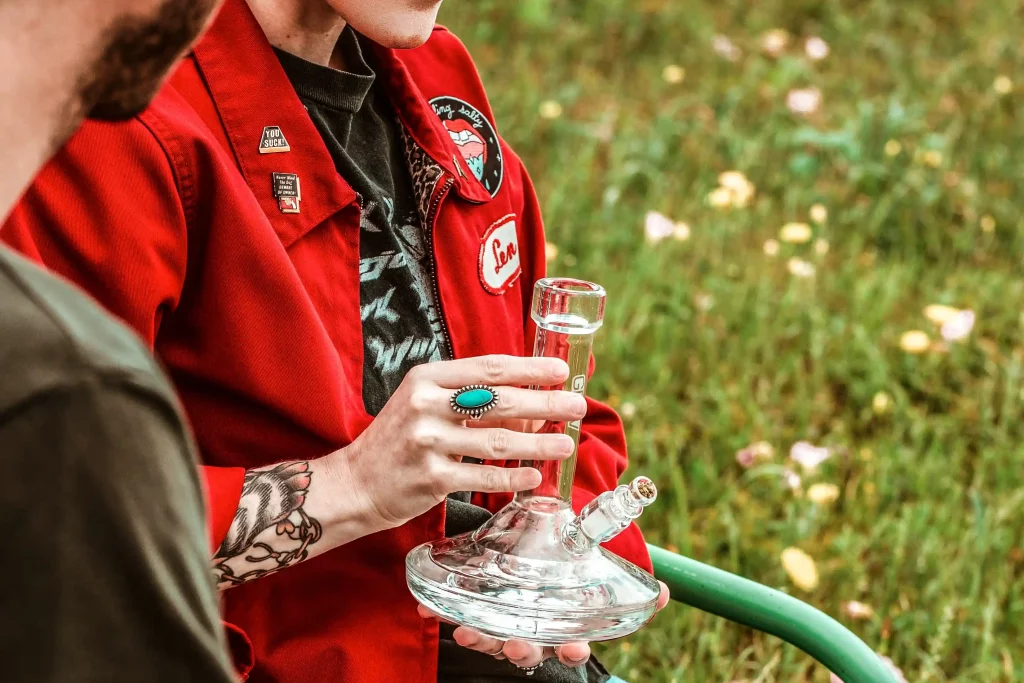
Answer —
475 139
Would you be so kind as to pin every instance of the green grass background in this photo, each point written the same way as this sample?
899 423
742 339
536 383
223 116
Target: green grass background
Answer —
928 529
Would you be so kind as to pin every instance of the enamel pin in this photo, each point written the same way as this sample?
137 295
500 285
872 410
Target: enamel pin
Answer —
273 141
287 191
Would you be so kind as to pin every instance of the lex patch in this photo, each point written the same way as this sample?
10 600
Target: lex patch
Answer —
499 261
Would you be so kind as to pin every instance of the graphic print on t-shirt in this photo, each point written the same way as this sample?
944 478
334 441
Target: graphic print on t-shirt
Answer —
396 277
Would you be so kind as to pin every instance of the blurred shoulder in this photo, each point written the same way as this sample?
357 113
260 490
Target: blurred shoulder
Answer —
52 335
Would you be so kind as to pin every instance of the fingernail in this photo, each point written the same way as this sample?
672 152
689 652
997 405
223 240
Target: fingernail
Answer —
566 445
579 406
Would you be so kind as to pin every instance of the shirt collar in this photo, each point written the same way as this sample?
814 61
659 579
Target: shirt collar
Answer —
344 91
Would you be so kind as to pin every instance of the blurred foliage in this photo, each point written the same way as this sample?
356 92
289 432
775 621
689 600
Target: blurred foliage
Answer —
715 344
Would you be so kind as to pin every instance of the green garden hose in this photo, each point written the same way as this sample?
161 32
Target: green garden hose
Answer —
759 607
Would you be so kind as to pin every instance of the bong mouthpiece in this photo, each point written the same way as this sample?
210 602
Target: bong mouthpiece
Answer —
605 517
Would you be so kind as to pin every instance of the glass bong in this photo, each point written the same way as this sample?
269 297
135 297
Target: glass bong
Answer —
535 570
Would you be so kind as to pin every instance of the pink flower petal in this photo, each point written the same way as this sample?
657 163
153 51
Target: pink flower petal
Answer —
808 455
816 48
658 226
803 101
959 326
725 48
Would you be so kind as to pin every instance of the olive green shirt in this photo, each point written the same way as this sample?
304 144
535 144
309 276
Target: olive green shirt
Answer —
104 566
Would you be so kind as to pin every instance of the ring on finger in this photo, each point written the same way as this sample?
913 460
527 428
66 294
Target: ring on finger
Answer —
473 400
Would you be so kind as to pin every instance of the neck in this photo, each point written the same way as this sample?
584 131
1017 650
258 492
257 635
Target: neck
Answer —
305 28
39 107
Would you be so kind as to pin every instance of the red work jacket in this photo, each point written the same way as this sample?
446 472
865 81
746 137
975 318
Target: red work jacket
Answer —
171 221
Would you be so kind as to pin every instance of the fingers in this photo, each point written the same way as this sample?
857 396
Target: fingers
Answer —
514 424
556 406
474 640
521 407
520 652
524 654
490 479
495 370
428 614
573 654
502 444
663 597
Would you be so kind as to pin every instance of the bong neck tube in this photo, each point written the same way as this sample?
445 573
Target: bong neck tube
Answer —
567 312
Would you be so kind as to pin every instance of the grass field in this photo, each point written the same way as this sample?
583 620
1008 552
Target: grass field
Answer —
719 340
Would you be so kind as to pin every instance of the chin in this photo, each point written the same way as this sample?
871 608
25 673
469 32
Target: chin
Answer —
401 30
406 41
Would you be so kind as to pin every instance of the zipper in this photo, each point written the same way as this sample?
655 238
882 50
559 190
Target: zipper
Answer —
435 204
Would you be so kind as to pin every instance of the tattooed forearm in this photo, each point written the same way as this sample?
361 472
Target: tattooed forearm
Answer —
271 530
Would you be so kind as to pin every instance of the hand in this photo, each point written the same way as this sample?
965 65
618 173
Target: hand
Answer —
409 459
522 653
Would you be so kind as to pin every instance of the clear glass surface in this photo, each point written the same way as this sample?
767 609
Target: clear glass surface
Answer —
520 575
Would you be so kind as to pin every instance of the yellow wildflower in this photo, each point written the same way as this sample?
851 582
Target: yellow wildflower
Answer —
932 157
801 568
550 251
674 74
823 494
915 341
800 268
720 198
819 214
549 109
795 233
940 314
775 41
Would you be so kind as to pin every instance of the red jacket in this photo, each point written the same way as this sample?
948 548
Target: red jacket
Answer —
170 220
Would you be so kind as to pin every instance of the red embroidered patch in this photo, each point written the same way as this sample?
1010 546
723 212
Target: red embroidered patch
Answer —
499 256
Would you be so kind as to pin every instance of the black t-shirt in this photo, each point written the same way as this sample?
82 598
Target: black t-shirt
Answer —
105 572
401 325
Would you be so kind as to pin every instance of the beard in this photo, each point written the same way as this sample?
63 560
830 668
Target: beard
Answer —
138 54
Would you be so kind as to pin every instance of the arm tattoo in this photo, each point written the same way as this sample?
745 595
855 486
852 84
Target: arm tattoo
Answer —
270 531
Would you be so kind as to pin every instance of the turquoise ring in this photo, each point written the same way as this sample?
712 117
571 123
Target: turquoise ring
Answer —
474 400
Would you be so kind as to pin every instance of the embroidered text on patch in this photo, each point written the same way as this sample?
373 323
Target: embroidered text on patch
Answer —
475 138
499 256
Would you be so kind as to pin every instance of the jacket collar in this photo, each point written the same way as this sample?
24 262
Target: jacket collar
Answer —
251 91
423 125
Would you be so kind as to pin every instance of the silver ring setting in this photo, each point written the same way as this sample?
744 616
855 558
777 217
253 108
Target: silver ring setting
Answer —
473 400
528 670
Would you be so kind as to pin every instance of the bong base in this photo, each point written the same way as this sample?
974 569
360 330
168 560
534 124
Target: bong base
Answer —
513 578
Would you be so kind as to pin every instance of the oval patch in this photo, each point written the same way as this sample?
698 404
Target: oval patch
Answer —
475 138
499 256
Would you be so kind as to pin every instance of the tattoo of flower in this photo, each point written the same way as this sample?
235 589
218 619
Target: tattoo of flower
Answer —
271 498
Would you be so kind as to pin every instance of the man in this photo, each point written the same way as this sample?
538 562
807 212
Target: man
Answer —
309 225
104 576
